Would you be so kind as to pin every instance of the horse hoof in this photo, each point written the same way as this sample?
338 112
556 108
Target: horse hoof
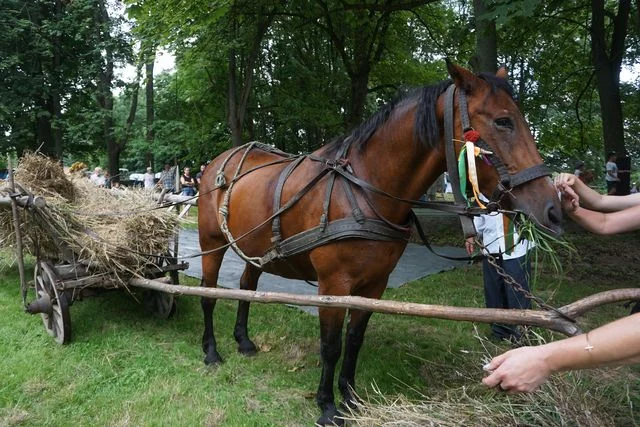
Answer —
213 359
330 420
247 349
350 406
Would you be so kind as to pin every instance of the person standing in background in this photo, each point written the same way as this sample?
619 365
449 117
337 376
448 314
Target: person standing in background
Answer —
579 168
612 174
199 174
501 241
167 182
148 178
97 177
188 183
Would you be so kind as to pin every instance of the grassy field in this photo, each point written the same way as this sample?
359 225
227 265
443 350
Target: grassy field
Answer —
124 367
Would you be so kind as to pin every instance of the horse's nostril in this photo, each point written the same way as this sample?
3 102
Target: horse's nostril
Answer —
553 214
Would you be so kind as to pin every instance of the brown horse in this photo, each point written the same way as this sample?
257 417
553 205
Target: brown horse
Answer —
354 232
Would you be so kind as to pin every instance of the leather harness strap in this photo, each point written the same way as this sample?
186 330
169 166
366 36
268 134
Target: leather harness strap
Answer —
466 221
345 228
277 196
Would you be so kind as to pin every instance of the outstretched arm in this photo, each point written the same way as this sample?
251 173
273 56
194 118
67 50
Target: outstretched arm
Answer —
591 199
526 368
607 223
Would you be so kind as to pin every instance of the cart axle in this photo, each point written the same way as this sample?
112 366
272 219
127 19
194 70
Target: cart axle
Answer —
41 305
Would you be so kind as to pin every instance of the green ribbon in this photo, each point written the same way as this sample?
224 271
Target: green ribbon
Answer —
462 173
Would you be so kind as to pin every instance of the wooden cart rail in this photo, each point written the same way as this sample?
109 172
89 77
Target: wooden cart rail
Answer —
545 319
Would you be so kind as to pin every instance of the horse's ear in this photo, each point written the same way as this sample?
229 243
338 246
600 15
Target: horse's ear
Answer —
462 77
502 73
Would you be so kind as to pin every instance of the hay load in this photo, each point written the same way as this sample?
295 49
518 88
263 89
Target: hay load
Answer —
113 231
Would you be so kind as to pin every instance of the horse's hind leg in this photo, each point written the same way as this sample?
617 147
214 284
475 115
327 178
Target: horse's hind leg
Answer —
248 281
210 268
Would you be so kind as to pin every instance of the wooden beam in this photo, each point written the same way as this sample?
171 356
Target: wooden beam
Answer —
542 318
176 198
23 201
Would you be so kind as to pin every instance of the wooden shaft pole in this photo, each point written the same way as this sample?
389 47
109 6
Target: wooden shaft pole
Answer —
175 198
16 227
545 319
22 201
583 305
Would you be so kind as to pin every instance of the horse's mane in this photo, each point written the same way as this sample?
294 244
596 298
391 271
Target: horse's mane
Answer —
427 131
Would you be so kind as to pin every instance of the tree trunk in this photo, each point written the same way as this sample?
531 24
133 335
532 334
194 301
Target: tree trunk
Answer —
607 64
485 58
359 92
150 136
234 121
238 96
44 136
133 108
365 50
105 96
56 86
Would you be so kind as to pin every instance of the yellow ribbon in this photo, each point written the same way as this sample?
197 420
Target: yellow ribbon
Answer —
472 153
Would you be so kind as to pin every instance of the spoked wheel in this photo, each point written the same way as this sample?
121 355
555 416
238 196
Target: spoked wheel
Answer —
162 304
57 321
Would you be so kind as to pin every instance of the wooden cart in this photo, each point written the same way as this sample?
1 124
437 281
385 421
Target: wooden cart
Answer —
58 283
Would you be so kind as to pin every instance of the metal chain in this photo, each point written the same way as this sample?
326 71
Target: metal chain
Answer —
518 287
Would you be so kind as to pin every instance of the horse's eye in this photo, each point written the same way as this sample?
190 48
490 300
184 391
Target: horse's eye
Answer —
504 122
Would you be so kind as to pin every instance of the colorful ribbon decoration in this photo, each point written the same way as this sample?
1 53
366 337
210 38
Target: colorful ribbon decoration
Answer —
467 169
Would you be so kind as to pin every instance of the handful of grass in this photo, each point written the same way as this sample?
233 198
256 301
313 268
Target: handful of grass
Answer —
547 247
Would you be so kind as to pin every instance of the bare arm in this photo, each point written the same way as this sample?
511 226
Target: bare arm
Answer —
607 223
591 199
525 368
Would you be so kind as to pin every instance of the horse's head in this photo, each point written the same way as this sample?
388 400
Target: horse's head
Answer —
523 183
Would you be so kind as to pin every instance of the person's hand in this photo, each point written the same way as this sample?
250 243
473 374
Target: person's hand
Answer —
519 370
569 199
565 179
468 244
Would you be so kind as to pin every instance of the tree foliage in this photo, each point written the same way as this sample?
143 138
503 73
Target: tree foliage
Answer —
293 74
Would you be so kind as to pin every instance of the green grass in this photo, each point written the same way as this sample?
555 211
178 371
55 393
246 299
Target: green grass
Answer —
125 367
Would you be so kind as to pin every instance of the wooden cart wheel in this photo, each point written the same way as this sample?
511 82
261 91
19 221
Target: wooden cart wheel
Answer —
162 304
58 323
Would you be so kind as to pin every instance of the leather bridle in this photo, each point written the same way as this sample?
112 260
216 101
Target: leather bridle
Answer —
506 181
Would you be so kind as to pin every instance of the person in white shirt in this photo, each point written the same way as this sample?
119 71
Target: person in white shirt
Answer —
98 178
612 173
501 240
579 168
148 178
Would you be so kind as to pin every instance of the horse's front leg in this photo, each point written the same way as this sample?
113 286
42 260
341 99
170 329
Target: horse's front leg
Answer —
358 321
331 320
353 342
248 281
